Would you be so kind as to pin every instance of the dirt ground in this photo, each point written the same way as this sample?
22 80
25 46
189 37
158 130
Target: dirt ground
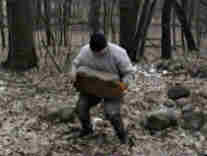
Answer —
26 97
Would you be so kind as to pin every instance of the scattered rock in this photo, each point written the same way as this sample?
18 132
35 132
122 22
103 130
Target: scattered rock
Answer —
199 72
162 65
203 93
177 92
99 154
170 65
187 108
160 120
65 114
176 66
182 102
193 120
204 130
170 103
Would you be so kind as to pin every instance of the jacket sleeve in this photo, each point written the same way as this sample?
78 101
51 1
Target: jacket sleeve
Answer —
77 61
126 69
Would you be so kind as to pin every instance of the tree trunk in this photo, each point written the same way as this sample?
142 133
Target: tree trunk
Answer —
48 32
166 34
3 41
21 54
182 33
198 14
94 16
106 17
184 25
66 19
113 21
128 19
144 23
38 13
174 36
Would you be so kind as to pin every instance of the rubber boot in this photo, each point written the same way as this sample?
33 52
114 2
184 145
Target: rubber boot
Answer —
118 125
86 128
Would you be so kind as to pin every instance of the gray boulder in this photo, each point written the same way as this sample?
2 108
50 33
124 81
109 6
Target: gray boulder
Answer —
64 114
177 92
193 120
160 120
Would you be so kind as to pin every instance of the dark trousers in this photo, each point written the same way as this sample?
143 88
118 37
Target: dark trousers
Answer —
111 111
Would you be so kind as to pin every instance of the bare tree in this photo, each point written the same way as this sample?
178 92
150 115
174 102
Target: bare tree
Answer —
2 26
21 55
166 34
135 18
128 17
94 15
66 19
143 26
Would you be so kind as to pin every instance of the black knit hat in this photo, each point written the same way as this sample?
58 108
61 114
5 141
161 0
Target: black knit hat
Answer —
97 41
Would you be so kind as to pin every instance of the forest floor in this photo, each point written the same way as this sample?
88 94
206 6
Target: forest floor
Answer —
26 97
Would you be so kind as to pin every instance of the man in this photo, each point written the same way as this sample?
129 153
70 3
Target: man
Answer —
107 57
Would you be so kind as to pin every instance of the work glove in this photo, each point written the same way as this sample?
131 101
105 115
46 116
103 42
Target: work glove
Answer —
128 80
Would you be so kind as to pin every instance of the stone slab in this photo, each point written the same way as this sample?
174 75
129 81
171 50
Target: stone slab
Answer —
101 84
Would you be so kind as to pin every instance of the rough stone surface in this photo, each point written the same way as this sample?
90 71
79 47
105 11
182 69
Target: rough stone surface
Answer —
64 114
178 92
98 83
160 120
193 120
204 130
199 72
170 103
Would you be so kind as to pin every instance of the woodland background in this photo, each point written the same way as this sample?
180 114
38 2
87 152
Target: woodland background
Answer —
165 39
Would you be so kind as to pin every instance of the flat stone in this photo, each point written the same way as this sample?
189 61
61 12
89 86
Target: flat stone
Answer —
101 84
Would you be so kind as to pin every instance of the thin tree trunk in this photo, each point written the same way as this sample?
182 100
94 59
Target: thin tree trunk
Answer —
166 34
174 29
198 32
105 19
66 22
3 40
94 15
146 23
184 25
128 17
47 23
113 23
182 32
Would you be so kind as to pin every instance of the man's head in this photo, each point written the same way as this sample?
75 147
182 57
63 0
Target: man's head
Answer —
97 42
